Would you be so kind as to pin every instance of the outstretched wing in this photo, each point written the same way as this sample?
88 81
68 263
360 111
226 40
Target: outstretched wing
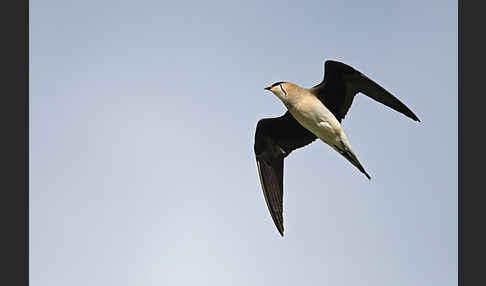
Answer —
342 82
275 139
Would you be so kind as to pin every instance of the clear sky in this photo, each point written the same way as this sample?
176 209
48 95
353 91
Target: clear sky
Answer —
142 121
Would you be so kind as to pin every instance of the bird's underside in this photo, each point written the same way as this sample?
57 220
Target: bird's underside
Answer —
276 138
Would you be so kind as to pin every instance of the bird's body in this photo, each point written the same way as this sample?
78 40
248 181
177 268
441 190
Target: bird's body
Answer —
315 117
312 113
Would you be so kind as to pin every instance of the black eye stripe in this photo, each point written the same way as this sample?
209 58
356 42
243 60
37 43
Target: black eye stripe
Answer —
283 90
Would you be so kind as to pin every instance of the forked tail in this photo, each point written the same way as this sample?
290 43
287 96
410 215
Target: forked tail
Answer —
351 157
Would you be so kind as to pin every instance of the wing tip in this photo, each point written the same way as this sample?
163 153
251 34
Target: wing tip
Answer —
277 220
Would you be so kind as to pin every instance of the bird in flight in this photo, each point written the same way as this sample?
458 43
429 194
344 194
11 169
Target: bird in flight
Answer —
312 113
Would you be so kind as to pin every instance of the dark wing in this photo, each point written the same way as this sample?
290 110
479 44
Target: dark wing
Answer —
342 82
275 139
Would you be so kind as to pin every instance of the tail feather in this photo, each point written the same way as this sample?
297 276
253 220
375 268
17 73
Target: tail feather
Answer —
351 157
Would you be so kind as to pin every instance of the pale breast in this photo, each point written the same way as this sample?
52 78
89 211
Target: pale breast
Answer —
314 116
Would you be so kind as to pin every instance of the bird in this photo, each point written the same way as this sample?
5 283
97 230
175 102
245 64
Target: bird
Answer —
312 113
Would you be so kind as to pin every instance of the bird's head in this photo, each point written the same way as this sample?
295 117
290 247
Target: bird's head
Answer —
281 89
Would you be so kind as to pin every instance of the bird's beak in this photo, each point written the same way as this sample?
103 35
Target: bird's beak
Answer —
268 88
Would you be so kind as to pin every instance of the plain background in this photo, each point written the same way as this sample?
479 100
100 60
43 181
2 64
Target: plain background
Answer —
143 116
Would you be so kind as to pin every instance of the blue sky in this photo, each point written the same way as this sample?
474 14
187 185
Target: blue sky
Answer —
142 121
